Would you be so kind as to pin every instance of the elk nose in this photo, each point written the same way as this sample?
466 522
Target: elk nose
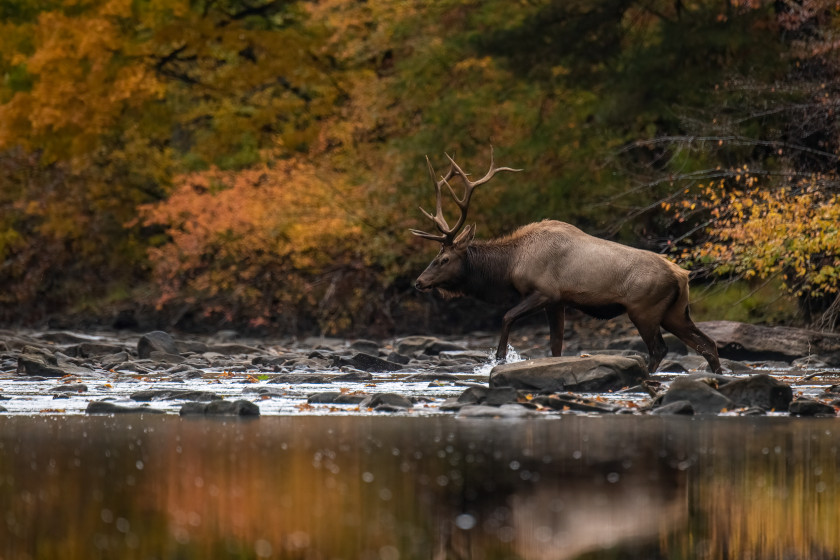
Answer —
420 286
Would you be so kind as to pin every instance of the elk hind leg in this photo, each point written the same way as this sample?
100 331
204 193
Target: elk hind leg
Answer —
680 324
556 322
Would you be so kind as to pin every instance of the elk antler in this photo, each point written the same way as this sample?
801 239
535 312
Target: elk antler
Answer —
447 234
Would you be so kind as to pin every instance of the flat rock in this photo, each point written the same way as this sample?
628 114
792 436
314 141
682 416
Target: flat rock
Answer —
294 378
565 401
704 399
810 407
38 365
156 341
366 362
70 388
676 407
389 399
105 407
759 390
336 397
743 341
174 394
239 407
425 344
599 373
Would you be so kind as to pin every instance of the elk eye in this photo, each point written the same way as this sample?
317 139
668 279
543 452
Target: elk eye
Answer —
444 260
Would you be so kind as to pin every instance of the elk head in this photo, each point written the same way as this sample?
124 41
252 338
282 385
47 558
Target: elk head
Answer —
446 270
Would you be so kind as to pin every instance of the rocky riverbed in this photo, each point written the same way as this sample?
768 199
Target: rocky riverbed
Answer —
770 370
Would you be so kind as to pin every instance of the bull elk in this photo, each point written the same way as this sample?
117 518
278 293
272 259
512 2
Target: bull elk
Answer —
551 265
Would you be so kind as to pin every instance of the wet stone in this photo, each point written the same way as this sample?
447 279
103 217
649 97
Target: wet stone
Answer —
156 341
366 362
431 376
240 407
106 407
760 391
354 376
38 365
810 407
70 388
675 407
294 378
365 346
174 394
388 399
336 397
703 398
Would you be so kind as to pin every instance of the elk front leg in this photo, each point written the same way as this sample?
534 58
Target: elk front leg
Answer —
532 302
556 313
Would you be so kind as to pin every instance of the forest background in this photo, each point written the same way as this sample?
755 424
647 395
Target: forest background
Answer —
256 164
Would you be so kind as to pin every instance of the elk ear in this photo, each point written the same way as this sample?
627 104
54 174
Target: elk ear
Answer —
465 237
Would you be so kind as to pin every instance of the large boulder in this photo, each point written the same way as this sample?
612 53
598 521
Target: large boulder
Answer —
743 341
599 373
704 399
759 390
156 341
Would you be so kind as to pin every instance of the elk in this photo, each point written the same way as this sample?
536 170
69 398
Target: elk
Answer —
551 265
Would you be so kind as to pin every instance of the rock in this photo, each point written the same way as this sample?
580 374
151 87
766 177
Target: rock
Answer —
564 401
598 373
465 355
365 346
473 395
96 349
174 394
3 409
504 411
294 378
166 357
672 366
156 341
70 388
240 407
398 358
39 365
431 376
497 396
810 407
366 362
105 407
354 377
743 341
758 391
635 343
675 407
389 399
336 397
424 344
703 398
233 349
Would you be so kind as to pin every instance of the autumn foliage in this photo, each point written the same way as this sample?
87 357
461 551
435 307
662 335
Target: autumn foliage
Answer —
257 163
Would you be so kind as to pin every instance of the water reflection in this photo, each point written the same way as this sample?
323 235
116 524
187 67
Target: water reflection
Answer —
317 487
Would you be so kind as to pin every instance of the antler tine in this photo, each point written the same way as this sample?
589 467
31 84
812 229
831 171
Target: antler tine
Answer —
448 234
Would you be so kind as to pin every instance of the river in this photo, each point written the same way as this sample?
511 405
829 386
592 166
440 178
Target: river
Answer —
363 487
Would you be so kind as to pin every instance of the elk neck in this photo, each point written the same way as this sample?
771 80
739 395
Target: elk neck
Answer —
488 266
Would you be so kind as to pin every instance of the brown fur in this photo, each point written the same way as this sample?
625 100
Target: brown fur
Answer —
551 265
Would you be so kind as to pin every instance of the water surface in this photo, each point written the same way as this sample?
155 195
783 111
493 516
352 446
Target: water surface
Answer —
419 487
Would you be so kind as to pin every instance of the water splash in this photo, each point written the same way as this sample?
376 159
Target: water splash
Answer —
511 357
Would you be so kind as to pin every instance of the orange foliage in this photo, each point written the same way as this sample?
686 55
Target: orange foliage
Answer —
261 237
